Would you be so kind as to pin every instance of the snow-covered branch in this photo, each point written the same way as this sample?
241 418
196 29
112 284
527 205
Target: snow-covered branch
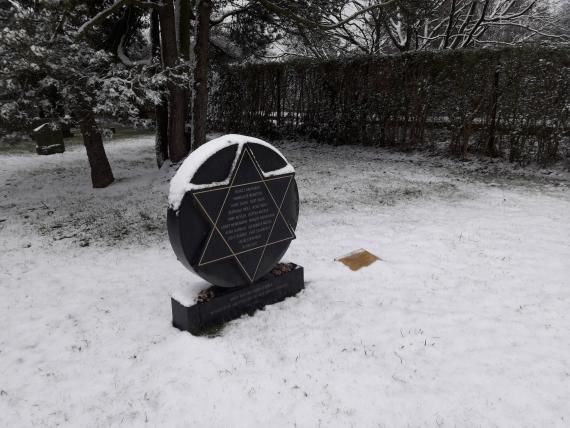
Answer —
286 13
112 9
101 16
226 45
219 19
14 3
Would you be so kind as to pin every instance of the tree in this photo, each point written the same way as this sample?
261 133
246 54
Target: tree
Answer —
468 23
408 25
175 61
46 71
171 40
171 59
200 88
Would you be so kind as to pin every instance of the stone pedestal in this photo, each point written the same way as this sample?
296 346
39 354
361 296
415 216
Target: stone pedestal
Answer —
226 304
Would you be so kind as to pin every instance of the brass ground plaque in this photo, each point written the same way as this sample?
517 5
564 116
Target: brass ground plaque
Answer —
358 259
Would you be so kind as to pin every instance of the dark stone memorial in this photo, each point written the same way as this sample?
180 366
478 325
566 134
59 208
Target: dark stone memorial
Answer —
49 139
233 211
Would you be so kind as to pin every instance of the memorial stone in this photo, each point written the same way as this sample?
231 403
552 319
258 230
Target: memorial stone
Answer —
233 210
49 139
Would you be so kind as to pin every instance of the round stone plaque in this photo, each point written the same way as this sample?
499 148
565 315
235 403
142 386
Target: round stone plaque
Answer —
233 210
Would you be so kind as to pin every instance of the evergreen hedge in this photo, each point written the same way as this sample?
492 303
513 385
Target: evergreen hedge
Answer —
512 102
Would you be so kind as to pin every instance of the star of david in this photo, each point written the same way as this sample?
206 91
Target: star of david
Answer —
245 216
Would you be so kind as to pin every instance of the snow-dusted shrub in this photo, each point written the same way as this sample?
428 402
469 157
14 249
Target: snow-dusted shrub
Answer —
512 102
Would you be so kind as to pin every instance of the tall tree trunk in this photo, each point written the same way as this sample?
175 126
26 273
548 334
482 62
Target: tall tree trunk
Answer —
101 174
185 15
491 140
184 28
200 93
155 33
161 110
161 136
176 136
169 50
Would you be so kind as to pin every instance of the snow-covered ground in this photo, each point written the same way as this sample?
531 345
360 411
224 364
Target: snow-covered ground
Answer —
465 322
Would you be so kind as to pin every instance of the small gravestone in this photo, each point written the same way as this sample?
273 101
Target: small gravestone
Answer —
233 210
49 139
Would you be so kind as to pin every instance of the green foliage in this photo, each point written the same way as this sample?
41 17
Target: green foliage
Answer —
410 101
46 71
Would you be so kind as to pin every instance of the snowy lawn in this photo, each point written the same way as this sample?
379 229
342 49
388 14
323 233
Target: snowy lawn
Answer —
465 322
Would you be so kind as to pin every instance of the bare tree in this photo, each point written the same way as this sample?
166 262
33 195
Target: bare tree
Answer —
407 25
469 23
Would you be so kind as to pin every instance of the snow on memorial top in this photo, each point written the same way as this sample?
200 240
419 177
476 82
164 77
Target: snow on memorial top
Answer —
186 177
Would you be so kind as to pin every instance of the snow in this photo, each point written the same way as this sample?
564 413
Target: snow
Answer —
40 127
463 323
181 182
352 253
50 147
226 45
186 297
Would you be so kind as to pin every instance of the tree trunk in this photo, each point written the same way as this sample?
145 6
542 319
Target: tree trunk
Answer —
161 137
176 136
169 50
155 33
184 28
101 174
161 110
200 93
184 25
491 143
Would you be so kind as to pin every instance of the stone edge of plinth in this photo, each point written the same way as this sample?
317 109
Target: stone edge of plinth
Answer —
200 317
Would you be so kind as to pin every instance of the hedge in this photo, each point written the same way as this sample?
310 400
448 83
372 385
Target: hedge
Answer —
512 102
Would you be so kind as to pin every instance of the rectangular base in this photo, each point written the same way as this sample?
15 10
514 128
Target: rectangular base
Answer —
50 150
229 304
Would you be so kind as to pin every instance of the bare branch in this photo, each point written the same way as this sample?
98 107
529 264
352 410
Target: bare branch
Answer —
477 24
101 16
514 15
312 24
449 25
533 31
15 4
465 22
110 10
223 17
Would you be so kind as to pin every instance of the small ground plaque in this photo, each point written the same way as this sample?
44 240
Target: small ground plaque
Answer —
358 259
233 210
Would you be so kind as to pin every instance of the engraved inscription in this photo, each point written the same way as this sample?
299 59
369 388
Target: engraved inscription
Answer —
248 217
250 296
